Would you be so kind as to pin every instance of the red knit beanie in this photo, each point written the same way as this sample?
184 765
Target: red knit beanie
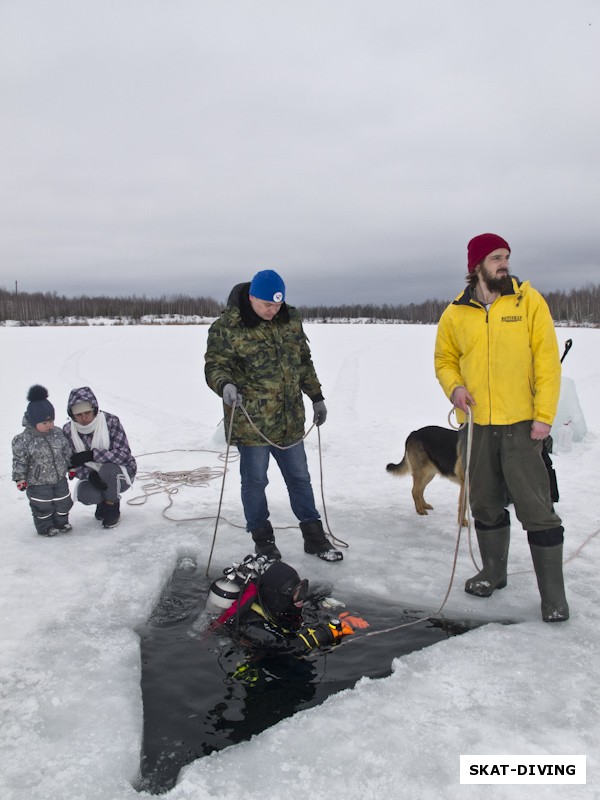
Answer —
481 246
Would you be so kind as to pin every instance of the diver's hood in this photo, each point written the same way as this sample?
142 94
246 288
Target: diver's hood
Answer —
276 588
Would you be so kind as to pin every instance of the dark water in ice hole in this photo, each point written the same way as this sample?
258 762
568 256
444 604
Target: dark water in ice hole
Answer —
194 703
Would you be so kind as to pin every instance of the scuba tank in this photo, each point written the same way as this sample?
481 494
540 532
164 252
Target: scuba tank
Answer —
224 591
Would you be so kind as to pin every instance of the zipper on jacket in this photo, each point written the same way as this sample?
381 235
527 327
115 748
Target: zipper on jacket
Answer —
487 322
53 454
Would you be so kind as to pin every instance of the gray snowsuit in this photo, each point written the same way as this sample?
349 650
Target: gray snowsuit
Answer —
42 459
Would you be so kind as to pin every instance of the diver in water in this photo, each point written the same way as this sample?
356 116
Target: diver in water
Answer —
268 615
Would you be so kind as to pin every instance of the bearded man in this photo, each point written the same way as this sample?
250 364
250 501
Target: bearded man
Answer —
496 357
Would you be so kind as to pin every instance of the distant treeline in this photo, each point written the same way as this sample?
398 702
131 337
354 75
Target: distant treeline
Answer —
30 308
575 307
420 313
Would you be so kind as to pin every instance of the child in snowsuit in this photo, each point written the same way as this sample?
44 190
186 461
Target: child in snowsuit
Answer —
40 462
100 456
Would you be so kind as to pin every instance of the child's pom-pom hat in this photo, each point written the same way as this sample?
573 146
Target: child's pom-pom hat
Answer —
40 409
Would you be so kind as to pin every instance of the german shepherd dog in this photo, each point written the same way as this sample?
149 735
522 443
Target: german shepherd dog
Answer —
431 451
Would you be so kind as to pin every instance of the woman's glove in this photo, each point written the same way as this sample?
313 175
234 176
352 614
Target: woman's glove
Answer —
320 412
231 396
21 485
97 481
79 459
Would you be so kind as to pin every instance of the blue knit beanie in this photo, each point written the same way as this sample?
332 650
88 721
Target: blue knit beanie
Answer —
40 408
268 285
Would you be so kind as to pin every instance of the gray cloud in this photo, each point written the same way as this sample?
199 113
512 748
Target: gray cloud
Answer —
155 147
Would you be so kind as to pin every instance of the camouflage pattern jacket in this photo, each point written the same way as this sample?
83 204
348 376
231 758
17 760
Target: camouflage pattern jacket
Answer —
270 364
40 458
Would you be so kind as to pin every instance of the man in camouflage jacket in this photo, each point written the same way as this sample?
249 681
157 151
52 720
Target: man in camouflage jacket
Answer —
258 356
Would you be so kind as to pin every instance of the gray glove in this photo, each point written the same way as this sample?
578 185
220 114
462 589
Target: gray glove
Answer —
320 414
231 396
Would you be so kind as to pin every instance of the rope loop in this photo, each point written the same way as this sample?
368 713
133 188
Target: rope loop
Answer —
158 482
464 506
265 438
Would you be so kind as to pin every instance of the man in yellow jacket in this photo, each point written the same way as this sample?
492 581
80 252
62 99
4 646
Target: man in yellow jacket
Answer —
496 355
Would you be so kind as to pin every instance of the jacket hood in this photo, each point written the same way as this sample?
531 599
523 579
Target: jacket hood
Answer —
239 298
82 395
467 296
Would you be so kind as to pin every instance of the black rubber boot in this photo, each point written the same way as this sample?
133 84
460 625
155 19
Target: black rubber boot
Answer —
317 543
493 546
264 542
548 563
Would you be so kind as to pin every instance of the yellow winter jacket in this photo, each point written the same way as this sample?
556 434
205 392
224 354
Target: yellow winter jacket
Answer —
507 357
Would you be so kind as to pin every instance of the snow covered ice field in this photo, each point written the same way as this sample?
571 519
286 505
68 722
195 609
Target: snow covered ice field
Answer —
71 711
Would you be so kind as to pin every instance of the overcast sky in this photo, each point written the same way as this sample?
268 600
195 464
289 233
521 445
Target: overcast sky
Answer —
180 146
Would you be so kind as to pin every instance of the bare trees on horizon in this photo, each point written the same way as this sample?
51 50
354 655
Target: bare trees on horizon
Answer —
575 307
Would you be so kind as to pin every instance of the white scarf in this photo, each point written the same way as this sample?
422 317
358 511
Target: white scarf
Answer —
100 438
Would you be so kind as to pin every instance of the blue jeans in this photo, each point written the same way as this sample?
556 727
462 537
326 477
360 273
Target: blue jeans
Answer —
254 462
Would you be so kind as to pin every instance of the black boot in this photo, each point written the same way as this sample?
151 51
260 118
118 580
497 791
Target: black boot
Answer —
493 546
317 543
100 511
264 542
112 515
548 564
